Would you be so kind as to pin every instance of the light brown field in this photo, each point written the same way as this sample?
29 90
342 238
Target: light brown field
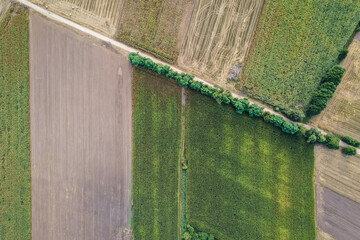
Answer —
81 136
321 235
218 36
101 15
338 172
4 4
342 114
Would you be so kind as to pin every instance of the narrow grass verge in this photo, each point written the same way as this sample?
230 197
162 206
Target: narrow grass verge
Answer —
15 190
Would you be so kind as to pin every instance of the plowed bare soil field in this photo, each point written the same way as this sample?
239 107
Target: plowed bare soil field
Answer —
337 215
342 114
81 136
218 36
100 15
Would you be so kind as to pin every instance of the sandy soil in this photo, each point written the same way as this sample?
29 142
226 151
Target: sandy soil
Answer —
4 5
337 215
321 235
342 114
338 172
81 144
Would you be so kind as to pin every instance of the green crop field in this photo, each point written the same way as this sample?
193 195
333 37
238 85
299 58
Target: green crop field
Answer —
296 42
157 144
246 179
154 26
15 194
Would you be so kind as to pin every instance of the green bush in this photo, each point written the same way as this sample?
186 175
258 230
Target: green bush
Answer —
289 127
351 141
334 75
191 234
295 115
255 110
349 151
276 120
332 141
240 105
343 53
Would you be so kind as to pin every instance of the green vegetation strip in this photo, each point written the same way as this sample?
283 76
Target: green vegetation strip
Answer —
246 179
296 43
15 193
240 105
157 145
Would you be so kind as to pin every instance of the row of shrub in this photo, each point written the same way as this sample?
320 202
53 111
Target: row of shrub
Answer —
326 90
331 80
192 234
351 141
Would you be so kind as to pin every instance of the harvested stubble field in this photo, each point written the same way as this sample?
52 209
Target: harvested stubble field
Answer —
81 135
15 193
295 44
155 26
338 172
342 114
218 36
101 15
157 144
246 179
337 215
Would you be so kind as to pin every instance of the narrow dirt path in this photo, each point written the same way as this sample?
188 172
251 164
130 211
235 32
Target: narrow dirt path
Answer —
129 49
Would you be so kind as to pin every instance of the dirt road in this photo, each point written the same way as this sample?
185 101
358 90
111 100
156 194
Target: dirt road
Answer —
81 136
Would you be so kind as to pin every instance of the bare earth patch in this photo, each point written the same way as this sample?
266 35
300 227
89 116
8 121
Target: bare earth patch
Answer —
81 142
218 36
101 15
342 114
337 215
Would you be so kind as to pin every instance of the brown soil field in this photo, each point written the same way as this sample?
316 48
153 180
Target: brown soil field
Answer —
338 172
321 235
337 215
101 15
342 115
4 4
155 26
81 136
218 36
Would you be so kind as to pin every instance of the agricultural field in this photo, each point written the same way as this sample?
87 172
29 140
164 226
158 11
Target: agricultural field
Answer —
295 44
4 4
246 179
336 214
218 36
157 144
15 191
155 26
100 15
81 136
342 114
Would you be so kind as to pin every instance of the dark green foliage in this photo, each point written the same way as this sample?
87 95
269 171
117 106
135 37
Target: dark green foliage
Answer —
15 187
313 135
358 29
302 130
343 53
332 141
334 75
351 141
349 151
196 85
255 110
289 127
240 105
192 234
276 120
294 115
157 142
246 179
326 90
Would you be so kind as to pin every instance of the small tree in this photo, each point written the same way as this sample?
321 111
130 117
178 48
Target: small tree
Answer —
351 141
349 151
255 110
289 127
334 75
332 142
343 53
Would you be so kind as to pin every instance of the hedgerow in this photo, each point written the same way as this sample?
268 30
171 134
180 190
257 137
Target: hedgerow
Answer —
351 141
192 234
221 96
326 90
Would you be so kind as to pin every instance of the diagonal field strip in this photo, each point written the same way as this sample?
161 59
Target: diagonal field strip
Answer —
124 47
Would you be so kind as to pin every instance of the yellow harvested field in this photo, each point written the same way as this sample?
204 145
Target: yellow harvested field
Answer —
100 15
321 235
218 36
342 115
338 172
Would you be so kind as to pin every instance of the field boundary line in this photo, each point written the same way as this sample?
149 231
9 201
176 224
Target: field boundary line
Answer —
129 49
